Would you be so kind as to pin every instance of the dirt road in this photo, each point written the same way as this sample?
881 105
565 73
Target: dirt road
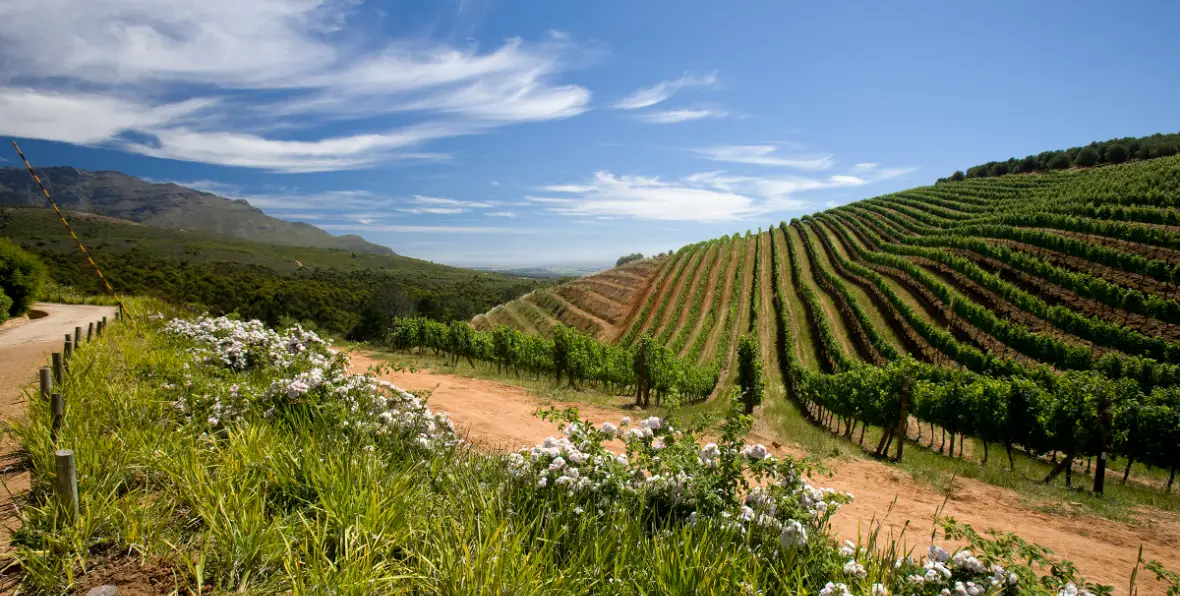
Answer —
499 416
24 347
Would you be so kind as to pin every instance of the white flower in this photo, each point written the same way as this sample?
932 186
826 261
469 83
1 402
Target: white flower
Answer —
626 421
937 553
609 429
653 423
746 514
542 482
855 569
557 463
710 453
755 452
880 590
832 589
794 535
847 550
658 443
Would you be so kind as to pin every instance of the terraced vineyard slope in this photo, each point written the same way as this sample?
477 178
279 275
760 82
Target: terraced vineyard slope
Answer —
1034 310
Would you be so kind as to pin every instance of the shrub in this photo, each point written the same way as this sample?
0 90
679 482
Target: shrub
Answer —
5 304
1086 157
623 260
1059 161
21 277
1116 153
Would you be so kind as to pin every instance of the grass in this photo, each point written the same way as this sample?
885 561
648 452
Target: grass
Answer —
295 501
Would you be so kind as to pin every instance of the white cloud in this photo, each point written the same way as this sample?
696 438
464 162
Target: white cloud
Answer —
251 83
675 116
702 197
555 200
494 182
427 229
434 210
576 188
764 155
501 214
650 96
422 200
864 167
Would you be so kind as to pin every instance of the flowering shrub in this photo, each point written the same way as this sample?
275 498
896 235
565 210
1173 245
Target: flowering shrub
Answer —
320 380
740 487
239 345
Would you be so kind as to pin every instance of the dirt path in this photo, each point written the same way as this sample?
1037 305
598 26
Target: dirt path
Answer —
24 348
499 416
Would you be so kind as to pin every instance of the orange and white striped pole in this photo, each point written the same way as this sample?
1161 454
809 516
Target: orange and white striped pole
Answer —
65 223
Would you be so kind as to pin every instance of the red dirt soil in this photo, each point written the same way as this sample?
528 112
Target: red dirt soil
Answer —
498 416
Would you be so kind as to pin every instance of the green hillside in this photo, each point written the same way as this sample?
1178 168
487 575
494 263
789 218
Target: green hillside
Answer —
343 291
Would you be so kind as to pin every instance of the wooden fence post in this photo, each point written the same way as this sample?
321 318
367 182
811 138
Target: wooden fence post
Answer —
903 421
90 331
98 329
104 322
67 482
59 377
57 405
46 383
67 350
77 337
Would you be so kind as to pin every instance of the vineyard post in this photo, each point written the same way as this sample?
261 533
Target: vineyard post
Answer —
57 405
90 331
1104 438
67 350
903 418
77 337
58 372
104 322
66 482
46 383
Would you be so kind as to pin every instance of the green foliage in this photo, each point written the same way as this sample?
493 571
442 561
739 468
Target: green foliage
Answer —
357 294
749 376
5 305
1113 151
21 278
623 260
1087 157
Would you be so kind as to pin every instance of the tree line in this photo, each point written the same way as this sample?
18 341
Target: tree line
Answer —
1113 151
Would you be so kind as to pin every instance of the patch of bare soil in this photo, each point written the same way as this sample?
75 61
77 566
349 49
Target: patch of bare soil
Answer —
129 575
499 416
18 372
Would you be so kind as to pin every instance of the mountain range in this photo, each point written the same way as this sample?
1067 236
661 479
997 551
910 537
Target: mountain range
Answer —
171 206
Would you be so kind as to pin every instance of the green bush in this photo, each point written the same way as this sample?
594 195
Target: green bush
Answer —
5 304
21 277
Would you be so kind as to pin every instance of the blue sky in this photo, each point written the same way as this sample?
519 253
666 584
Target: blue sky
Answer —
478 132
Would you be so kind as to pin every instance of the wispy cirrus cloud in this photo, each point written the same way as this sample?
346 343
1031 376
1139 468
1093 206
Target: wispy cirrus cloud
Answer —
765 155
507 214
714 196
650 96
252 83
676 116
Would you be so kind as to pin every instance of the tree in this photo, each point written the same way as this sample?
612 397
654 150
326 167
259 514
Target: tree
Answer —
1027 165
1087 157
957 176
1059 161
623 260
21 277
1116 153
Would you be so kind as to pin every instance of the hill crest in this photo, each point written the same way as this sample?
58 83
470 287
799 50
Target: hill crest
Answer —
167 205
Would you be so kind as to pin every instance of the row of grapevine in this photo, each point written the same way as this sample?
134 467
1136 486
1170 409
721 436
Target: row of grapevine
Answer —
705 329
1088 328
571 355
834 358
866 332
688 305
650 300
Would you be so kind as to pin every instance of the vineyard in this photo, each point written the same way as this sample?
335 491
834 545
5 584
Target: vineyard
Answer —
1029 313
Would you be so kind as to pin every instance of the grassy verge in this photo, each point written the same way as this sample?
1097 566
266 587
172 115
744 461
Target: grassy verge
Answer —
282 474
